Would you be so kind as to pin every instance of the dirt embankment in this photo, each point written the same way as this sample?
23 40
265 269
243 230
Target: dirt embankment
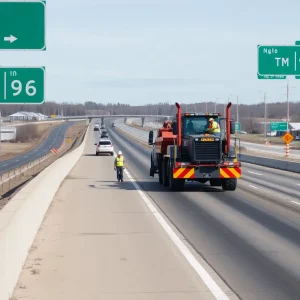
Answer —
28 136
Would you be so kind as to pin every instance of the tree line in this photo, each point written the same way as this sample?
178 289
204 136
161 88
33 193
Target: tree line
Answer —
248 114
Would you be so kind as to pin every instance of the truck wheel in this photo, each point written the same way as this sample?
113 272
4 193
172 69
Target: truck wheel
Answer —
151 169
229 184
215 182
165 172
151 172
175 184
160 176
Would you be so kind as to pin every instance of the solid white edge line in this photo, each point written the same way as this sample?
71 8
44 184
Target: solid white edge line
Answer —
254 173
253 186
295 202
207 279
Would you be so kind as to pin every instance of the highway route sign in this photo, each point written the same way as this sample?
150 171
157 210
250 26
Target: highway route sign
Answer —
278 60
69 141
237 126
22 85
278 126
22 25
287 138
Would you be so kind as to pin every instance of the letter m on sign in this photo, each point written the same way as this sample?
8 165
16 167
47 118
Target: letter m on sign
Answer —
285 61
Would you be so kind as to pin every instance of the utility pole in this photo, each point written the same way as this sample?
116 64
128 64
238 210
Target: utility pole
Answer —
265 114
288 106
237 109
288 90
265 101
216 104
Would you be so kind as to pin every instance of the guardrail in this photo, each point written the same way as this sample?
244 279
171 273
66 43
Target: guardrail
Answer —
285 165
12 178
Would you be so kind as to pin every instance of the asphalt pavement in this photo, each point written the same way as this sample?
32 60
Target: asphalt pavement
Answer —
250 237
101 239
54 140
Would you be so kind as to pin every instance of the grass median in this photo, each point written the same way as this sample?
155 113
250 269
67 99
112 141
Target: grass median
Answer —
28 137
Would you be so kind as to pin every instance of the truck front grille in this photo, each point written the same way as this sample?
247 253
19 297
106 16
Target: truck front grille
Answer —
207 151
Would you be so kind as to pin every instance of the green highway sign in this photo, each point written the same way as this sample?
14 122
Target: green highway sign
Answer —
237 126
22 85
22 25
278 60
278 126
270 77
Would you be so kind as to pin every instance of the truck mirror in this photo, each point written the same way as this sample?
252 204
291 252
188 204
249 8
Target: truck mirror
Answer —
174 128
232 127
150 140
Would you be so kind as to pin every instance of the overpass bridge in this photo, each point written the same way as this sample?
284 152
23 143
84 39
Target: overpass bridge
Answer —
102 117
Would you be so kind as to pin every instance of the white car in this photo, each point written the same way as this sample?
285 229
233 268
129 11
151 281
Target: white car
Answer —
104 146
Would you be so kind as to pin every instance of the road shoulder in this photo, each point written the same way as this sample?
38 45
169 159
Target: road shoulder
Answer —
99 239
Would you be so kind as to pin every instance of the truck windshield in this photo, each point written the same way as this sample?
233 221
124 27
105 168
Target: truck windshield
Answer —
196 124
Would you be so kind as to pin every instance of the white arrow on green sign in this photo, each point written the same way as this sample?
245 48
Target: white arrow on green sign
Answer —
22 25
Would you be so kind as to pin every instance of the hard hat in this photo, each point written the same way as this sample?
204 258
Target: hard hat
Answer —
120 153
211 119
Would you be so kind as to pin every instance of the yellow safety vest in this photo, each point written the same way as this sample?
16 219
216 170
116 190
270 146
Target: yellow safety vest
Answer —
215 127
120 161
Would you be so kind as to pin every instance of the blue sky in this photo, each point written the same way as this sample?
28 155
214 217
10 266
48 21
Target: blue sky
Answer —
149 51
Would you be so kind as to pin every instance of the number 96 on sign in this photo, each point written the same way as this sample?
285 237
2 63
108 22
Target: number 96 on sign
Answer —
22 85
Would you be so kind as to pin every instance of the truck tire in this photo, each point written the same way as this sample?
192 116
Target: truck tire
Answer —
160 176
151 168
175 184
215 182
165 170
229 184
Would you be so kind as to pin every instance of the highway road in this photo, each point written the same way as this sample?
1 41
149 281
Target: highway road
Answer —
250 237
101 239
54 140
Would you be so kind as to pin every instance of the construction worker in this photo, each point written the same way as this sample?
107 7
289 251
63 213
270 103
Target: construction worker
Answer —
214 127
119 165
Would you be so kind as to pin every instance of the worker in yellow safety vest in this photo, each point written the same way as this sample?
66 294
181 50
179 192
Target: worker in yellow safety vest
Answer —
119 165
214 127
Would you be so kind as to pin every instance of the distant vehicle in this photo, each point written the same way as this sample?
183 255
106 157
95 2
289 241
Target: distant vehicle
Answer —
102 126
104 135
96 127
104 146
113 125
